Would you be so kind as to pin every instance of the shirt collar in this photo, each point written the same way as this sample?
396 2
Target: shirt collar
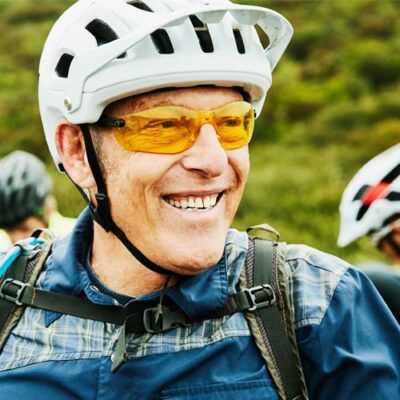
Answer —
68 272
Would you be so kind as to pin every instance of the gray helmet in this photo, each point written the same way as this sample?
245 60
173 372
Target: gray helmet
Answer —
24 186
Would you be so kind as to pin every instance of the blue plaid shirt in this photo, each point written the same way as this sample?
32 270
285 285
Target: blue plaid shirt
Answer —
348 339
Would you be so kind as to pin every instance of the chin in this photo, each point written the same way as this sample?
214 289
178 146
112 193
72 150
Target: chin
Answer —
187 251
197 261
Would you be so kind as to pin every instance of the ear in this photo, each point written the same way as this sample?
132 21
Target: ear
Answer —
71 149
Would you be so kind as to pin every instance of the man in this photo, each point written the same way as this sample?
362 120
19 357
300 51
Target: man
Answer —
26 203
147 106
371 206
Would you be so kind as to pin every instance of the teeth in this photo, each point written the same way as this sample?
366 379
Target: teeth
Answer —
192 203
184 203
198 203
177 204
213 200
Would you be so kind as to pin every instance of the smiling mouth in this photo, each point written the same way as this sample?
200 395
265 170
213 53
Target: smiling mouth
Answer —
194 203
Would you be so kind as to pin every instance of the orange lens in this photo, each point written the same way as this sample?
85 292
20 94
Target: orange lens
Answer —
172 129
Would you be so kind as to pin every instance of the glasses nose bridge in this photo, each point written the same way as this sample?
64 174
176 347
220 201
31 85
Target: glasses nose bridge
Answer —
205 117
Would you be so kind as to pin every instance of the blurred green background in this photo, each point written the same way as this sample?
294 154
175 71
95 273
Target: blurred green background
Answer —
334 104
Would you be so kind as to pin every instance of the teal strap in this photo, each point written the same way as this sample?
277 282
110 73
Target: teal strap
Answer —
21 247
9 258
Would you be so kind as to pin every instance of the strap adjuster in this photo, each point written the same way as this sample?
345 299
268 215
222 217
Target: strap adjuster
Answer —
255 299
156 320
13 290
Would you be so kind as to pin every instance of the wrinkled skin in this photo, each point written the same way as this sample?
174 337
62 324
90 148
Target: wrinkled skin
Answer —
139 183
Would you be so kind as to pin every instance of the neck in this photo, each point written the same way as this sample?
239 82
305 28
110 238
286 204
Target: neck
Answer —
119 270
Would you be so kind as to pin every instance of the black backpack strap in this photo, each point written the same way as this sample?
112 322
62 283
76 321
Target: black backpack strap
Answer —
263 299
25 269
16 271
273 326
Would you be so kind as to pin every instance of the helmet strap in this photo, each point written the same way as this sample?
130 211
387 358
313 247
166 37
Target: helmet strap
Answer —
101 214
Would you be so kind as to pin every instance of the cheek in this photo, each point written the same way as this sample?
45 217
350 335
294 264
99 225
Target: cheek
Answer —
387 248
396 237
135 178
240 163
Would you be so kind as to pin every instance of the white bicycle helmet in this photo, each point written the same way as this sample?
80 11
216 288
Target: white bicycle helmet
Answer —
24 186
372 198
103 50
100 51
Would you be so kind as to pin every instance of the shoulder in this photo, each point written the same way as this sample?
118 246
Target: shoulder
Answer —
313 277
236 246
236 243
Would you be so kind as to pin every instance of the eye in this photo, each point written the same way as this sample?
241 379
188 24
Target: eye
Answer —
168 124
162 123
231 121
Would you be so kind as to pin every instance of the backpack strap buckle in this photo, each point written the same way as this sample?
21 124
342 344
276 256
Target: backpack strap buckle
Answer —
260 296
161 319
13 290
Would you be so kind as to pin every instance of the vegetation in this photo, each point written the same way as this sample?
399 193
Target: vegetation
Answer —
334 104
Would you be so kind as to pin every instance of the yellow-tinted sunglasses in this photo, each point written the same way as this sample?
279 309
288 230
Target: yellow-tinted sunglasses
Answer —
172 129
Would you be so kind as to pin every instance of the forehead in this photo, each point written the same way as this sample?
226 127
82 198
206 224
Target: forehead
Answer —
198 98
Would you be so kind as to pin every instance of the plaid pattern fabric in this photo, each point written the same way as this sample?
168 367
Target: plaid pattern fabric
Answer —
312 279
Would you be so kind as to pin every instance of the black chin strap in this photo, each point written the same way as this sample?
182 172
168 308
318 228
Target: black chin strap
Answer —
101 214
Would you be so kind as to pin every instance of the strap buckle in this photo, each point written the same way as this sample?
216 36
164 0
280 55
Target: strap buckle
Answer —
14 289
157 320
256 301
31 244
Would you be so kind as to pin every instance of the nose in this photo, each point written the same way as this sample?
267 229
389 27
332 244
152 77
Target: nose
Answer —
206 155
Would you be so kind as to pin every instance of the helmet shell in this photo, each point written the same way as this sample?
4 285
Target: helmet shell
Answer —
371 198
100 51
24 186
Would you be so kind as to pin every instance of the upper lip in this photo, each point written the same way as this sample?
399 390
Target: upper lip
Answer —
194 193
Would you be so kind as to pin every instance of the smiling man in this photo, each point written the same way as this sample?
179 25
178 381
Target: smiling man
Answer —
184 200
149 107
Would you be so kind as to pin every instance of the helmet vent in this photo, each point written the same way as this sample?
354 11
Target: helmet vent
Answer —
239 41
264 39
13 198
162 42
103 33
392 175
360 192
361 212
140 5
393 196
62 68
203 34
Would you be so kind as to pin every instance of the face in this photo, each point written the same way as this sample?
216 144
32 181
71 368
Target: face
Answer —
388 247
150 194
25 228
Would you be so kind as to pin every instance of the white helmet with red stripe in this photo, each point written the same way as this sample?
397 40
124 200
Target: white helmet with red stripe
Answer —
372 197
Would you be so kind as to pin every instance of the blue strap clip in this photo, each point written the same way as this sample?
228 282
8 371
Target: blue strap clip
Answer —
22 247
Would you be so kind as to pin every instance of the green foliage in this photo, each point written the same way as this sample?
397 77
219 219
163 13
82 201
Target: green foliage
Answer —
334 104
24 26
